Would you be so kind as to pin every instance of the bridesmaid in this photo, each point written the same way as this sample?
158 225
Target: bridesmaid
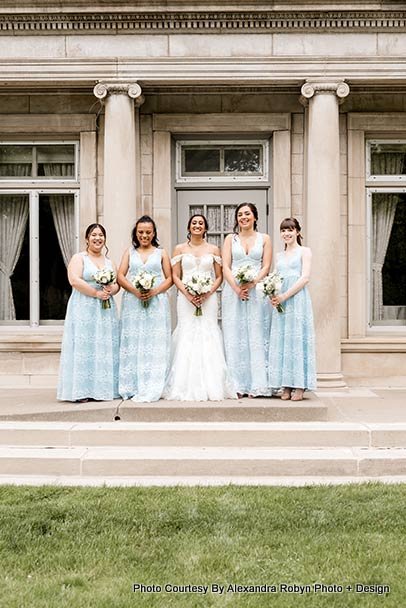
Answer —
292 361
145 332
246 314
89 357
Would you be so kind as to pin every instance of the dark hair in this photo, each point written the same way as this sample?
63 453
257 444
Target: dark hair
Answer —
90 229
254 211
206 224
144 219
292 224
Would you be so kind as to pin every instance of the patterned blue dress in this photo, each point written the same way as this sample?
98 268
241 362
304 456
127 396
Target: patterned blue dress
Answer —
246 327
145 336
90 345
292 359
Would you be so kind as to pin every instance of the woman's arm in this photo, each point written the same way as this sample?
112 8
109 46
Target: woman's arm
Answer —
218 275
75 278
241 292
113 288
300 283
266 260
177 277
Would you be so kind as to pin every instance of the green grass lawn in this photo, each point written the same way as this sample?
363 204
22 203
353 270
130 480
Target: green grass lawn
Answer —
86 547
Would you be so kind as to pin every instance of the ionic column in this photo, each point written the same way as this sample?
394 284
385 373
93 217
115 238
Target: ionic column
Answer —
323 221
120 181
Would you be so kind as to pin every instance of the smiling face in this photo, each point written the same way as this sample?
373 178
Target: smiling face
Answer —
245 218
96 240
197 226
145 233
289 235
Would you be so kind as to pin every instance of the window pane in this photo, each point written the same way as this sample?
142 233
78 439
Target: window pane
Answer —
214 218
201 160
214 239
388 159
196 210
229 213
242 160
14 257
56 242
56 161
15 161
389 258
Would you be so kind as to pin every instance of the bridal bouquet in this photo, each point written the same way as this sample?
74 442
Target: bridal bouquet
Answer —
270 286
245 274
199 283
144 282
105 276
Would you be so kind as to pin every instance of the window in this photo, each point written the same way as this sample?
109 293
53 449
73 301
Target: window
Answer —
388 256
222 161
41 161
386 162
38 231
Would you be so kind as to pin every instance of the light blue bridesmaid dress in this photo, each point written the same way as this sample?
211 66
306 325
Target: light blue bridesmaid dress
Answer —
246 327
292 359
145 336
90 345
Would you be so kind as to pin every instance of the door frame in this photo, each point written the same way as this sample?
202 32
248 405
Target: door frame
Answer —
167 126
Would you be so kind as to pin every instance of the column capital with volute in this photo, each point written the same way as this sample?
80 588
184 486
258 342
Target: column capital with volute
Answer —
339 88
132 89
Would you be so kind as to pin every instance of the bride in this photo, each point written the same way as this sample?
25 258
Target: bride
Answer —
198 369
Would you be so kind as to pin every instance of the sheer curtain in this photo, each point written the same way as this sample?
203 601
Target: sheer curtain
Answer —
383 215
13 221
63 210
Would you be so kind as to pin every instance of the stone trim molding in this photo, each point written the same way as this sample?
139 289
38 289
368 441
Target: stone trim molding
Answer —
132 89
221 123
209 21
322 87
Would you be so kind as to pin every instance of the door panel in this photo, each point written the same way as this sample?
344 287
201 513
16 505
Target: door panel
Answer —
218 206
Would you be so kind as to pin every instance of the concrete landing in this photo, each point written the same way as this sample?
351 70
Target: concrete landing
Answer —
347 435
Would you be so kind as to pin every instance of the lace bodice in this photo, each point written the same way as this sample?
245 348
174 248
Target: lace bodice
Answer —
191 263
290 265
254 257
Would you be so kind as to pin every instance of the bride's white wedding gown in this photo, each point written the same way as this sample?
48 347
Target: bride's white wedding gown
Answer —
198 370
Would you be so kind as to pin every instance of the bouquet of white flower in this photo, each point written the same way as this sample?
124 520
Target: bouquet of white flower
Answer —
199 283
245 274
105 276
270 286
144 282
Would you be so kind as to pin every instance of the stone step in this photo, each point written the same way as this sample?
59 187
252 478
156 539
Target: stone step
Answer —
253 410
204 434
210 462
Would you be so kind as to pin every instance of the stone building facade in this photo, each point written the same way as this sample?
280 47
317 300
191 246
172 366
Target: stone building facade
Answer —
109 110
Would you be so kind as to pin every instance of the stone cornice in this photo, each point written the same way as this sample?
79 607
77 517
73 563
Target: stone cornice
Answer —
207 21
85 73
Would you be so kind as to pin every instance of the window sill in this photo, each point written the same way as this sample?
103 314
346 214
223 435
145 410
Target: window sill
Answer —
374 344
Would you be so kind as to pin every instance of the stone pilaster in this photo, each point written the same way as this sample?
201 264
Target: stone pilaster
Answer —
322 186
120 182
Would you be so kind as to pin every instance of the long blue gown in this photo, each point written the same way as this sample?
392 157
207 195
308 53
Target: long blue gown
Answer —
246 327
90 345
145 336
292 358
